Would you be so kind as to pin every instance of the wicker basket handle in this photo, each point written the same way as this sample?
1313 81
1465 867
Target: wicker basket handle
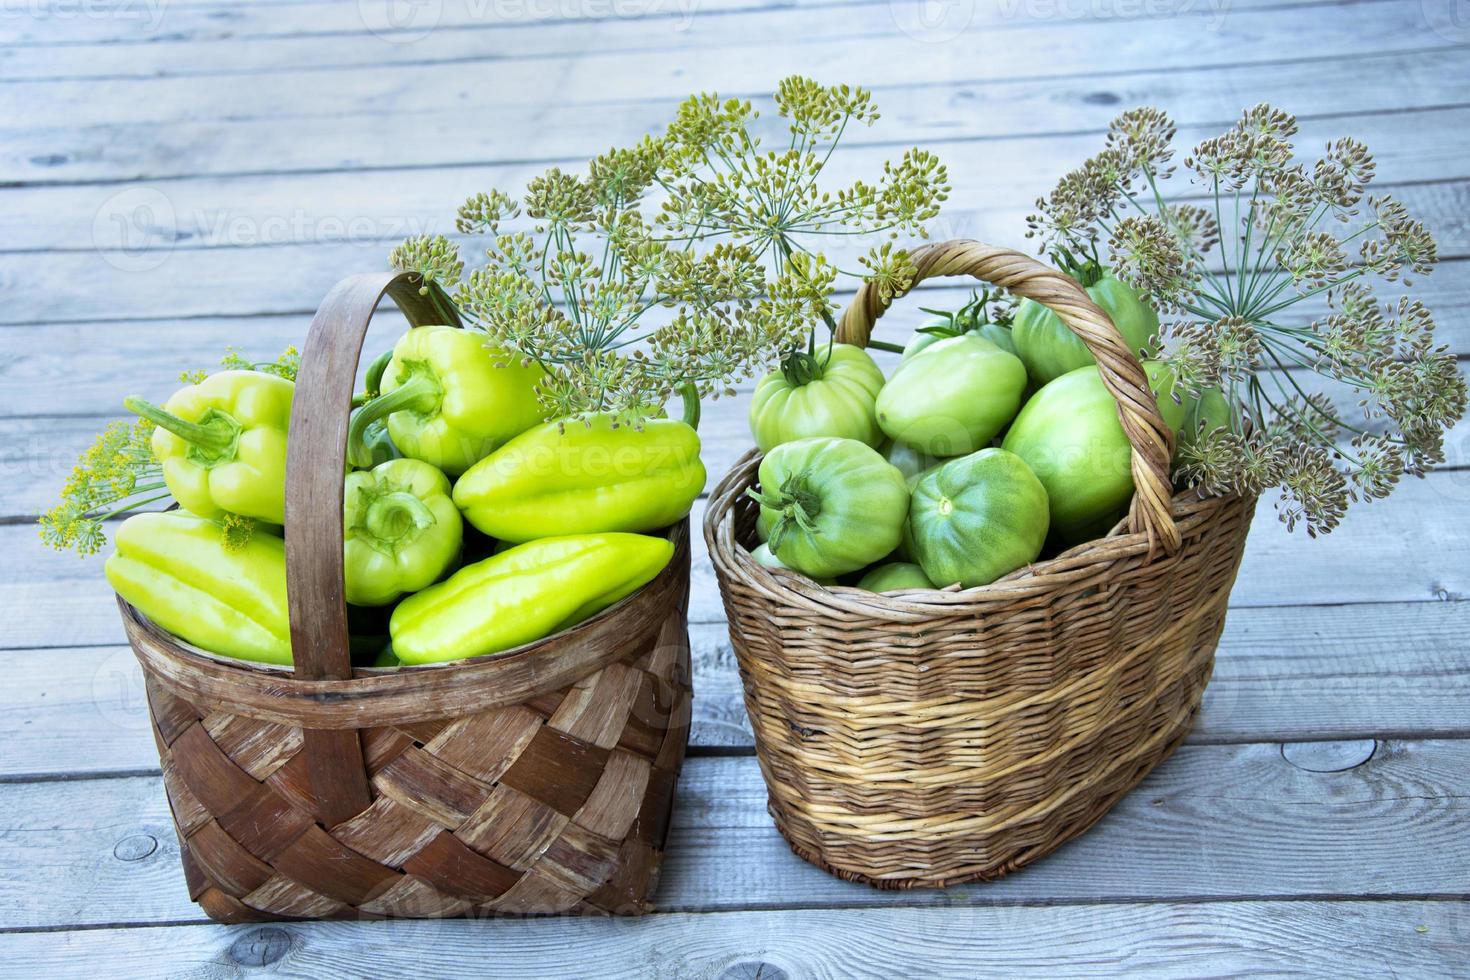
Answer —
315 458
1151 438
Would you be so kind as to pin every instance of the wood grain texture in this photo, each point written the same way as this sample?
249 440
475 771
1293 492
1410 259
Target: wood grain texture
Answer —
1013 120
463 29
888 58
1202 826
1348 940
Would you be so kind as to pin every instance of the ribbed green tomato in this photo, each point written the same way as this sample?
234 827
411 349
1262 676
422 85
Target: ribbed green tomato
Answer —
894 576
952 397
933 333
763 556
1050 350
832 505
977 518
1070 436
828 393
1205 414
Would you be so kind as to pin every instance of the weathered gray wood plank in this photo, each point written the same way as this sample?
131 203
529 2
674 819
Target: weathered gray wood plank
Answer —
213 20
388 206
1282 673
190 40
461 30
1065 113
888 58
1340 939
1213 822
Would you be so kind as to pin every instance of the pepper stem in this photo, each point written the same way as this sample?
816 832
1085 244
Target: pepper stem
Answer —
690 395
396 515
373 382
420 391
214 436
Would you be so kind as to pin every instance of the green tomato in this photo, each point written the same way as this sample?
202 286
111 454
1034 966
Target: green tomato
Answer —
763 556
829 393
910 461
952 397
1208 412
1070 436
996 333
977 518
832 505
1050 350
894 576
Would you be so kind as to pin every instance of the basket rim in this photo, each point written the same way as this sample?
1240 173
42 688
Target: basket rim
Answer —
1070 569
271 692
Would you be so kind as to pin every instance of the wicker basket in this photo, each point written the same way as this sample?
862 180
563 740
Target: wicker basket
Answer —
936 737
534 781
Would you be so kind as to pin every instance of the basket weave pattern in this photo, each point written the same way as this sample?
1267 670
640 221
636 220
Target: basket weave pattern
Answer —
535 781
928 738
555 805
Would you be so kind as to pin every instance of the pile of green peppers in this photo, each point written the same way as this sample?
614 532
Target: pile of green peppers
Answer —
472 524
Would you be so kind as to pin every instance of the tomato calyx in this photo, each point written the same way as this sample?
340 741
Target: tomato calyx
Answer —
801 367
797 506
1086 270
967 319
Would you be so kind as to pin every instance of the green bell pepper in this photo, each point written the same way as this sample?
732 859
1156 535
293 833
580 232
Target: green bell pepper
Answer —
402 531
222 444
593 477
173 567
449 399
524 594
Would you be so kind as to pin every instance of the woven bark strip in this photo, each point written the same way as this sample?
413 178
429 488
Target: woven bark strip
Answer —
927 738
535 781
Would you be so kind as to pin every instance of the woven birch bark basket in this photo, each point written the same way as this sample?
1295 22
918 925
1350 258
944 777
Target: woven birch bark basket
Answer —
535 781
927 738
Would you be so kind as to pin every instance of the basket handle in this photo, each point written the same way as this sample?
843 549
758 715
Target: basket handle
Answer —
1150 437
315 460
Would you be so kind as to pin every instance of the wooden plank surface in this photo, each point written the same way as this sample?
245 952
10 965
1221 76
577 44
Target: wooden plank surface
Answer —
1204 825
1346 940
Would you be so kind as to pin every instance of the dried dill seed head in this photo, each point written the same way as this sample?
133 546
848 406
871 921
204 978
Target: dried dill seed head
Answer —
626 303
1297 230
1150 256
